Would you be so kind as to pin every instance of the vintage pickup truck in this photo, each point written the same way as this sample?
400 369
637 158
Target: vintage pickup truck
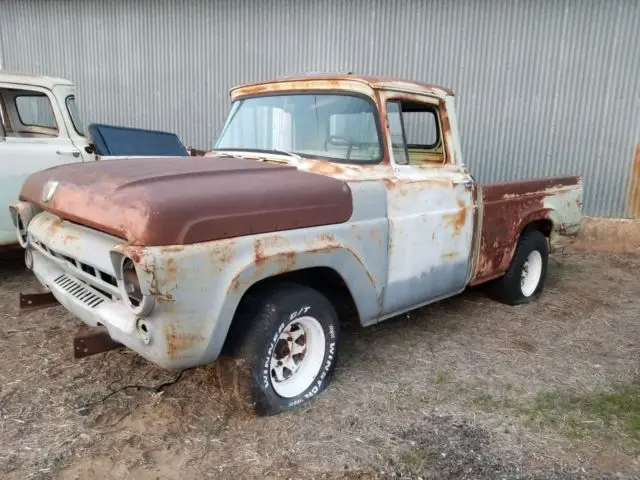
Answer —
323 195
40 128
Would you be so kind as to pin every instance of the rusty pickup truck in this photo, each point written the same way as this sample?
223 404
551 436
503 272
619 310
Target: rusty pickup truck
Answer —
323 195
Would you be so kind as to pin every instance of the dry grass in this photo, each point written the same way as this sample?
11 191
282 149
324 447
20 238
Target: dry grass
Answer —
466 388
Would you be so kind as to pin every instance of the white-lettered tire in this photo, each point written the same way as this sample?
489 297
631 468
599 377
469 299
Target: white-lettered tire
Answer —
289 345
524 280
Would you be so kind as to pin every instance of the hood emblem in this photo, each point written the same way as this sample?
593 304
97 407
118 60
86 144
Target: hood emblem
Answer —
49 190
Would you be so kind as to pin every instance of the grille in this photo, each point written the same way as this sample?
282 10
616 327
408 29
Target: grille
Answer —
79 290
88 269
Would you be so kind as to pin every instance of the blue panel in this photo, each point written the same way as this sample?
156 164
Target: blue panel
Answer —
112 140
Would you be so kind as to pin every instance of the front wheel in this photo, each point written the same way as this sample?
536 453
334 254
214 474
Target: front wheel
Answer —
289 346
524 280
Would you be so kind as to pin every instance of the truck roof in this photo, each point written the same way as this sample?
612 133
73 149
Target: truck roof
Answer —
32 79
374 82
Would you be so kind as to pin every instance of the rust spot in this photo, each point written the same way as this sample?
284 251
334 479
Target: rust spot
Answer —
162 295
338 82
518 189
274 241
70 239
285 262
226 253
178 341
449 255
172 271
458 219
54 226
633 199
508 208
235 283
258 252
134 255
172 249
326 237
326 168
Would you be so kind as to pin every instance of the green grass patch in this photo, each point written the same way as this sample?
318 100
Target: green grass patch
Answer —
612 414
615 411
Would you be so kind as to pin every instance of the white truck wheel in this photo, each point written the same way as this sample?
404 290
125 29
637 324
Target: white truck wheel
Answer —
290 346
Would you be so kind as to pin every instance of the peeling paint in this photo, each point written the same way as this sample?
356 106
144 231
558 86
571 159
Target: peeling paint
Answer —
509 207
178 341
458 219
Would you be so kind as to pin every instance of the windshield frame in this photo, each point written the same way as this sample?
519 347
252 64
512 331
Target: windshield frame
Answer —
376 117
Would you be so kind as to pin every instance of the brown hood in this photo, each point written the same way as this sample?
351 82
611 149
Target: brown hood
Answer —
169 201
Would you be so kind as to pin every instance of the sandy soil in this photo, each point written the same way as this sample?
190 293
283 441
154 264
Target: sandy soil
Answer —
466 388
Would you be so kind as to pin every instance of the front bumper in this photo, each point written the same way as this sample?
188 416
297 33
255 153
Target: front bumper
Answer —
95 308
164 337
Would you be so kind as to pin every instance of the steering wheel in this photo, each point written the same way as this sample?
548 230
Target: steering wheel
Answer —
341 141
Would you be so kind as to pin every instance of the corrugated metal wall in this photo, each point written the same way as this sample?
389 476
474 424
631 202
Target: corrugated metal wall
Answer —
544 87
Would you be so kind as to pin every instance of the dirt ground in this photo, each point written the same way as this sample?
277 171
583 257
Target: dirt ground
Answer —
466 388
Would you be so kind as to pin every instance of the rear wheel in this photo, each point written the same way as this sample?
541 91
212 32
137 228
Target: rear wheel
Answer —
524 280
289 346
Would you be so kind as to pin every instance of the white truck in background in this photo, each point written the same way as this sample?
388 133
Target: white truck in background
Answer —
40 128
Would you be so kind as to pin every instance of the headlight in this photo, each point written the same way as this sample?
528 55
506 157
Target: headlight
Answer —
131 282
21 214
133 293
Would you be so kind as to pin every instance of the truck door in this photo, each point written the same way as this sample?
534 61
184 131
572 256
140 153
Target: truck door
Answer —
431 205
34 138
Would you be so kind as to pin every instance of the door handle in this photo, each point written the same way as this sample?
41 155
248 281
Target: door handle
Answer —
74 153
467 183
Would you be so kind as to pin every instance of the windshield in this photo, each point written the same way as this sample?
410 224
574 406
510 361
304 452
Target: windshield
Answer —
74 114
338 127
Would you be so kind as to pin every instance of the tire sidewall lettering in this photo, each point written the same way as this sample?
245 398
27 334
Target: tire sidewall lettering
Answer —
265 373
316 386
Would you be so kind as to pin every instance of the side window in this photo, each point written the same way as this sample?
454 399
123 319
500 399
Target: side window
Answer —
394 118
35 110
415 129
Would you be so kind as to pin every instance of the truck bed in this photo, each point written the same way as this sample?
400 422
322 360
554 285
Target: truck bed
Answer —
507 208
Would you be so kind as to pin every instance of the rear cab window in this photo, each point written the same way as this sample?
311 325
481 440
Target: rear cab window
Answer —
35 110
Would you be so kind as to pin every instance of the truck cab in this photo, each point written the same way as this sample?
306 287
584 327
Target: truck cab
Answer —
39 128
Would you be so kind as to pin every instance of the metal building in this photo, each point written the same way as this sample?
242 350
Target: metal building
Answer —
544 87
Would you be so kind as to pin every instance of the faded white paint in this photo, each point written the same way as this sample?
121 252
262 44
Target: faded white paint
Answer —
25 149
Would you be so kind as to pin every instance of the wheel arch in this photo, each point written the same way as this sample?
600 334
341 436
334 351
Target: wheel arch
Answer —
335 271
325 280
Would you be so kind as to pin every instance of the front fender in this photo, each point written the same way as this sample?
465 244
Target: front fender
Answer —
354 252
